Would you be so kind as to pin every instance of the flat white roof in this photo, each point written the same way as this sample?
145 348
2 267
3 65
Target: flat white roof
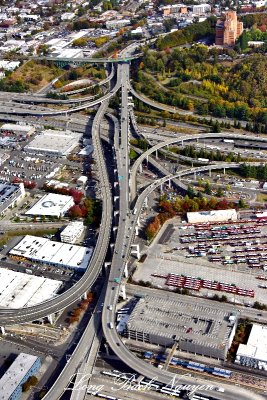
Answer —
52 141
73 228
19 289
213 215
256 346
16 127
15 373
50 252
52 204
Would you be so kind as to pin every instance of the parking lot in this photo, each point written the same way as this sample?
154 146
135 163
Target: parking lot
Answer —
208 262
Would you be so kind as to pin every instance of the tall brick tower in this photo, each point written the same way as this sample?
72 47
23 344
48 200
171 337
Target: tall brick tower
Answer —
228 30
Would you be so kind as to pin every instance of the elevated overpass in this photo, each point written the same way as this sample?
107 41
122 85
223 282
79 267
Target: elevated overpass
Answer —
62 62
181 140
60 302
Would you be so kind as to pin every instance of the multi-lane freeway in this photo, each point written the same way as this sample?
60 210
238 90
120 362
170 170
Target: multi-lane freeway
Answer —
116 214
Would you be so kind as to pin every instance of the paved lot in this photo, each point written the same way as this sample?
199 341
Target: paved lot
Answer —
170 258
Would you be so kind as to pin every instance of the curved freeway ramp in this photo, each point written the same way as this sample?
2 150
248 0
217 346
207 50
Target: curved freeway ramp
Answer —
108 315
27 314
182 139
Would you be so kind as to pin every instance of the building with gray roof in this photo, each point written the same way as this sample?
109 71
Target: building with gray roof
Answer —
207 331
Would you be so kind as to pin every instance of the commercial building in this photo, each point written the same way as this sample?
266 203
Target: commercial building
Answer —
58 143
72 232
117 23
173 9
200 9
18 289
212 216
10 194
82 180
24 366
228 30
53 253
254 353
51 205
15 129
206 331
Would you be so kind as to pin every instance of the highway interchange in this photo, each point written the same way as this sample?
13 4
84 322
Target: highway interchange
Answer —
120 214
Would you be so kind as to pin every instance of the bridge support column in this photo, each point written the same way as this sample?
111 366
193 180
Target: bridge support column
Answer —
182 142
116 213
146 160
146 202
136 231
126 272
138 222
51 318
116 198
111 247
209 172
107 264
157 156
224 171
115 228
170 184
136 250
3 331
107 349
123 292
115 171
115 184
195 176
85 296
161 188
141 168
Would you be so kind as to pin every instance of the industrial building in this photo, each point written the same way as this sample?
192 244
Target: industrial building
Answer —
72 232
51 205
16 129
254 353
57 143
18 289
24 366
52 253
211 216
193 328
10 194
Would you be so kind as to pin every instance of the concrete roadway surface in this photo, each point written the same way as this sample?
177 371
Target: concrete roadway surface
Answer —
245 312
81 351
109 314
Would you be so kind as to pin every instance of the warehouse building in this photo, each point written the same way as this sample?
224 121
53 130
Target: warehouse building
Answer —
51 205
52 253
52 142
10 194
72 232
206 331
254 353
23 290
24 366
16 129
212 216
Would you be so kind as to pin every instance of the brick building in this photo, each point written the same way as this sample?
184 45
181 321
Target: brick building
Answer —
228 30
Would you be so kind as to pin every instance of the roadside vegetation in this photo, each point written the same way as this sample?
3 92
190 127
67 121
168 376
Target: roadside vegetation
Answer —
196 79
241 337
32 75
